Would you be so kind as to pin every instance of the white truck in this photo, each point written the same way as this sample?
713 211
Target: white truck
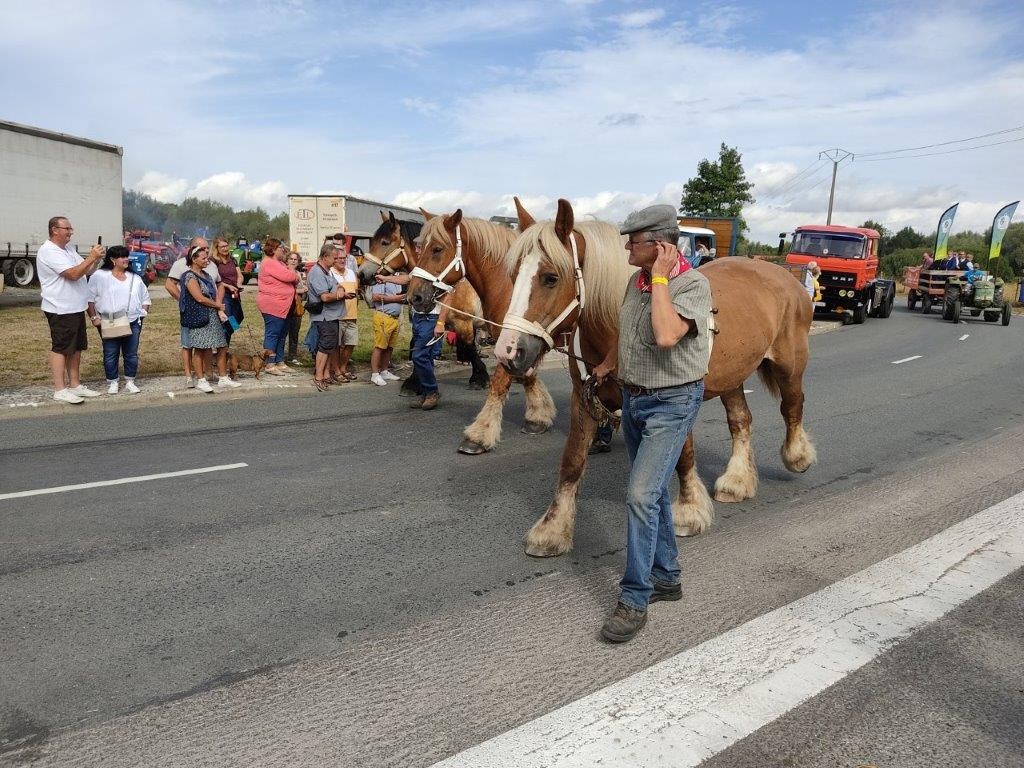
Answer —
45 174
311 218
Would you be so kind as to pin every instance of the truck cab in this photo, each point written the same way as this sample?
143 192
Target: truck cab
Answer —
849 263
691 237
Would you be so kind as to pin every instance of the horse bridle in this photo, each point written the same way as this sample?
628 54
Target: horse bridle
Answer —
456 263
385 263
532 327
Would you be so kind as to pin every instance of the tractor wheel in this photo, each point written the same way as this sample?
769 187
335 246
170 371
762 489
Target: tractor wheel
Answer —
246 279
926 304
957 307
1006 313
21 272
911 299
975 312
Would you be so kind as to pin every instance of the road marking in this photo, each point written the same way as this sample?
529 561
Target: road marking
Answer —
747 391
121 481
964 336
692 706
906 360
23 405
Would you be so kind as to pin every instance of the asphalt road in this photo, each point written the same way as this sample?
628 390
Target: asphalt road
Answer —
358 594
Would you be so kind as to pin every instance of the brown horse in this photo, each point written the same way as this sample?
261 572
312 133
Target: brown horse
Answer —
390 251
762 317
457 247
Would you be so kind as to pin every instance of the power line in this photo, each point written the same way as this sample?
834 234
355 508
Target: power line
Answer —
941 144
947 152
781 187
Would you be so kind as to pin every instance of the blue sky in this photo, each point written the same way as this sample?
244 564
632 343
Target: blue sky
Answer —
465 104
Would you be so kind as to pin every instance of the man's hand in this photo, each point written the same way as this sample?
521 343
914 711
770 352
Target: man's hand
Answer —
96 252
96 320
668 257
603 370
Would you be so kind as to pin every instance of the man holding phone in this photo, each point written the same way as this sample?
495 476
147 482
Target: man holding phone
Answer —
64 289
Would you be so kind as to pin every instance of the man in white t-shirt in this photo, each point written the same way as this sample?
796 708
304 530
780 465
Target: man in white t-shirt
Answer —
64 289
178 269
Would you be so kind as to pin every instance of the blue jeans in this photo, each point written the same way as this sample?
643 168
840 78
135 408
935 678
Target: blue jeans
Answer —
422 355
654 426
275 334
126 346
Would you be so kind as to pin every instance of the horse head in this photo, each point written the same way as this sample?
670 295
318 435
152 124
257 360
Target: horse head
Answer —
439 264
390 250
549 292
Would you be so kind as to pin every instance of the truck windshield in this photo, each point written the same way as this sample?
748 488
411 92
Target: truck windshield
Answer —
829 244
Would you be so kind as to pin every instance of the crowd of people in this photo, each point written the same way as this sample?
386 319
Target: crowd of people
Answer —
958 260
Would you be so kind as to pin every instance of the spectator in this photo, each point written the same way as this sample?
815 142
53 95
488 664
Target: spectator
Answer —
927 260
231 280
323 285
64 290
117 292
967 261
811 281
294 263
339 242
427 328
275 299
348 324
171 284
199 291
387 299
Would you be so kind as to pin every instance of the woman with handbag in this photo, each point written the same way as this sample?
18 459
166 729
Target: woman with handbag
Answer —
232 283
298 306
202 313
275 297
118 301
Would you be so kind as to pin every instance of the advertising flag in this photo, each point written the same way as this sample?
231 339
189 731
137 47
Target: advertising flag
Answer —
942 235
999 226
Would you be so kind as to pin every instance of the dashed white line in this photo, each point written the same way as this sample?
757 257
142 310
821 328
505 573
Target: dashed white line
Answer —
121 481
966 335
694 705
747 391
906 360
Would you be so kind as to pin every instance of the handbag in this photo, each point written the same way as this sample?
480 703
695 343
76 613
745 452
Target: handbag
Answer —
115 325
193 314
313 303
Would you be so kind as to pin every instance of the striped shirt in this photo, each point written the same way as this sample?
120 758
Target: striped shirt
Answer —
641 361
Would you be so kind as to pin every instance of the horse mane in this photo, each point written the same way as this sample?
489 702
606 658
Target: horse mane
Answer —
492 240
605 266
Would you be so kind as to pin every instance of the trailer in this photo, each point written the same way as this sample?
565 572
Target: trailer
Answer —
718 235
46 174
314 218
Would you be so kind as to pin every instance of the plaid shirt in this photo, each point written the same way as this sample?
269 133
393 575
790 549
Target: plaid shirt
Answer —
641 361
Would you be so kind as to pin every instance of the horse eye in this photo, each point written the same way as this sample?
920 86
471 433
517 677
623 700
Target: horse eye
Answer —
385 242
549 280
438 249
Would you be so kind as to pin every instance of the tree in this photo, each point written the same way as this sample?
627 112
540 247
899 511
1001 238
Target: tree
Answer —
719 189
907 237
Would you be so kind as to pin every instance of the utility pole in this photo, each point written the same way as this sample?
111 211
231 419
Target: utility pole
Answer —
836 156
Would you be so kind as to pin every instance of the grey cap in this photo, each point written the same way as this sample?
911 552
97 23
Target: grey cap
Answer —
650 218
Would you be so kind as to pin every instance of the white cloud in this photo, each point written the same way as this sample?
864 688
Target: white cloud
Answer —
423 106
162 187
231 187
635 19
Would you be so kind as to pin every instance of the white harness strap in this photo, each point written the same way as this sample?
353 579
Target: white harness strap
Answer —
533 328
456 263
385 263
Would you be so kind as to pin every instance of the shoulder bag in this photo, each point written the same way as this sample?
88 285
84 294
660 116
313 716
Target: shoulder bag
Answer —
313 303
115 325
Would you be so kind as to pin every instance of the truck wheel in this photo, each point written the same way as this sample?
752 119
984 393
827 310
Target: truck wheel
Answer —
926 304
886 309
911 299
1006 313
957 307
860 315
21 272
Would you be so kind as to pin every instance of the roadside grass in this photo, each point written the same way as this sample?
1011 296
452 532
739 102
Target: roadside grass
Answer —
26 342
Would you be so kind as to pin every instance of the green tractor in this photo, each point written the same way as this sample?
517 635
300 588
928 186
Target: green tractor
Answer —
983 296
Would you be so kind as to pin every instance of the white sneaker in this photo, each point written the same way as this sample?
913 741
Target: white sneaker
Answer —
203 386
190 382
112 387
225 381
67 396
130 388
295 362
378 379
389 376
83 391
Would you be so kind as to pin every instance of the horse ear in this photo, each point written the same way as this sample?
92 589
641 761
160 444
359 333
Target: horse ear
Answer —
392 220
383 218
525 219
451 222
564 220
426 214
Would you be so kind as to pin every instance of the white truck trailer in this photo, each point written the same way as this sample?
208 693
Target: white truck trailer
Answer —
44 174
311 218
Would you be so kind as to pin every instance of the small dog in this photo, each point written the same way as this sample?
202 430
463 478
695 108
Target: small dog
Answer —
255 363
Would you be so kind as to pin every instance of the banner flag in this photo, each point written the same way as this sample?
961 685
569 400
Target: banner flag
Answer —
999 226
942 234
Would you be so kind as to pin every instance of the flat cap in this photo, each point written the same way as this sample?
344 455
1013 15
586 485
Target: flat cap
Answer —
650 218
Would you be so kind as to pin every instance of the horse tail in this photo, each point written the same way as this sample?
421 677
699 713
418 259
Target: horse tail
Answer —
769 377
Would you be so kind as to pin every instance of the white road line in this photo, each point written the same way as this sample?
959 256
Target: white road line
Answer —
747 391
964 337
120 481
696 704
906 360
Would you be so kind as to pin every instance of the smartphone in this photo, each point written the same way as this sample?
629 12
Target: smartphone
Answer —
99 240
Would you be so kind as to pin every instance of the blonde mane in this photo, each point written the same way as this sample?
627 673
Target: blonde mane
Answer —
605 266
491 240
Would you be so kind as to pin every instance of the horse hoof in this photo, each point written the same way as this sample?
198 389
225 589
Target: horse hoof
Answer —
550 550
685 531
534 428
730 498
471 448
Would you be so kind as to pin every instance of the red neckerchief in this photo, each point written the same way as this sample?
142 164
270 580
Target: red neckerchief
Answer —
643 280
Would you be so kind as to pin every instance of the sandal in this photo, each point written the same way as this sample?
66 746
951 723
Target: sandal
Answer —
321 385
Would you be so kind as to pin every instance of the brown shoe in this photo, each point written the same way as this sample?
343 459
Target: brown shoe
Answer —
430 401
623 624
416 402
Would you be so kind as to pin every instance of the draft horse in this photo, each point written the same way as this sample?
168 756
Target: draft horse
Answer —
456 250
391 251
763 319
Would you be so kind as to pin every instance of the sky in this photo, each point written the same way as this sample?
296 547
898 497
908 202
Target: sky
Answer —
608 104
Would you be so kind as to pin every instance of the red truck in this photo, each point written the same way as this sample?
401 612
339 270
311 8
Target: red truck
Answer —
848 258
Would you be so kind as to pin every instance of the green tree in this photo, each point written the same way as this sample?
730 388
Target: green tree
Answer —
907 237
720 189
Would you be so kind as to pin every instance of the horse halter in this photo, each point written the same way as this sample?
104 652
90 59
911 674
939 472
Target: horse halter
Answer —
385 263
532 327
456 263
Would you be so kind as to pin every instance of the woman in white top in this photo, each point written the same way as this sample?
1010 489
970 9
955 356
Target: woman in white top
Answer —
117 292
